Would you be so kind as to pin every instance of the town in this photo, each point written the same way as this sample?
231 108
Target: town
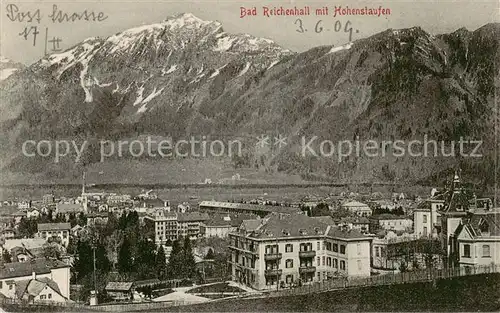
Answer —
106 248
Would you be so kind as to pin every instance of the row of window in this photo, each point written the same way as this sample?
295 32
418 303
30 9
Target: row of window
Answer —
485 250
329 246
44 297
324 261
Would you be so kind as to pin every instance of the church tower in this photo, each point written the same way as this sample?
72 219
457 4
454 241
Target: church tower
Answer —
457 205
84 194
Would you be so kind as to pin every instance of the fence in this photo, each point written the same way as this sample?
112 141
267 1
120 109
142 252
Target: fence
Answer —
387 279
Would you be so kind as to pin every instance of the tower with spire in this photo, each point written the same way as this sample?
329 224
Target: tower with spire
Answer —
84 194
458 203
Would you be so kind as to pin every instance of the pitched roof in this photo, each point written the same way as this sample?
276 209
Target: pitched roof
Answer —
192 217
229 220
484 219
328 220
33 287
8 210
249 207
339 232
355 220
28 243
388 216
53 226
353 204
289 225
21 269
69 208
119 286
251 225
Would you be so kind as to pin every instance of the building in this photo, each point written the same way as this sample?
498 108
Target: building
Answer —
285 249
360 223
36 290
48 199
426 217
237 208
188 224
24 205
478 239
97 218
114 199
12 273
390 222
55 230
33 213
386 251
168 226
459 202
24 249
7 233
67 209
120 291
19 215
220 225
358 208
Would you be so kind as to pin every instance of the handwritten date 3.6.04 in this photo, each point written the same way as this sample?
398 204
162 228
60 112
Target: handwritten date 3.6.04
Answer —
321 27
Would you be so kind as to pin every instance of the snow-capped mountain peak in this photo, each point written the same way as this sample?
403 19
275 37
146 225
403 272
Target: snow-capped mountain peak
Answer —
186 20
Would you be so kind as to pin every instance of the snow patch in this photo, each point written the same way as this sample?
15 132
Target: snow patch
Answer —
224 44
7 72
172 69
217 71
151 96
139 98
340 48
185 20
273 64
86 82
244 70
126 40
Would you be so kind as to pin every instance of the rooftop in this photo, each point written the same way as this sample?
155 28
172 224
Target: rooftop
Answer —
353 204
21 269
388 216
54 226
119 286
298 225
192 217
248 207
33 287
69 208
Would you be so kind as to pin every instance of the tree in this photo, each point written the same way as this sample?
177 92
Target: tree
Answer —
161 263
72 219
101 258
83 264
27 227
175 261
52 250
125 263
340 212
71 248
145 262
82 219
321 209
6 257
189 264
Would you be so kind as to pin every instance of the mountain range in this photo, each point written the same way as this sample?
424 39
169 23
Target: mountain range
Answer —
186 76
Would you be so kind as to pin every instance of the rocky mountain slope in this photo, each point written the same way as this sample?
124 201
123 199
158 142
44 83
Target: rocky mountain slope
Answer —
185 76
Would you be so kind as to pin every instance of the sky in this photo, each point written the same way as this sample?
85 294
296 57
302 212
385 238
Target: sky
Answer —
433 16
